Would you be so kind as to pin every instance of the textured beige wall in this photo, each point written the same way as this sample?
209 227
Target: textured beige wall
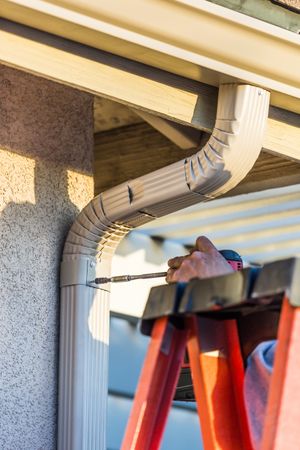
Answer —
46 145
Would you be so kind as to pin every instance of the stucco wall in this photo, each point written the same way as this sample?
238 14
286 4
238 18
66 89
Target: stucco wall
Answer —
46 145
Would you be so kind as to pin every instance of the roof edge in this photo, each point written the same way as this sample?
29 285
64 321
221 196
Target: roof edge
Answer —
192 49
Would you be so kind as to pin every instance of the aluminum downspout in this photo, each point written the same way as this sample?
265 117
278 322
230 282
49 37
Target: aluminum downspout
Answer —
220 165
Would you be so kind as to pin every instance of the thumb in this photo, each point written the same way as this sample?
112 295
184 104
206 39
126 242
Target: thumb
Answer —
203 244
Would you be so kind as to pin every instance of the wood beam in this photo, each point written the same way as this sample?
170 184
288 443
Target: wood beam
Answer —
110 76
129 152
143 87
181 135
282 137
267 173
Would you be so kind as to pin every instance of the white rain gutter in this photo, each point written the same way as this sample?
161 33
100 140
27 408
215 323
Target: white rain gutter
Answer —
220 165
195 39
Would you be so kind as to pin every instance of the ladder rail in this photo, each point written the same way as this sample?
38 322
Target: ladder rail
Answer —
217 372
282 419
156 387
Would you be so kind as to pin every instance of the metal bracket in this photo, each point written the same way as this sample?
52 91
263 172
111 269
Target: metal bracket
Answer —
79 271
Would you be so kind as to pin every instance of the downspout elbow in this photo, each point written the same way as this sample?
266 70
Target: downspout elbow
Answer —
220 165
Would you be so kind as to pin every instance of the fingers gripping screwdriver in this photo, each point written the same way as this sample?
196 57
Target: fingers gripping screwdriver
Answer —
231 256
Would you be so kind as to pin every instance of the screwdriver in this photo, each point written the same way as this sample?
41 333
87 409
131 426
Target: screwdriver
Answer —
233 258
120 278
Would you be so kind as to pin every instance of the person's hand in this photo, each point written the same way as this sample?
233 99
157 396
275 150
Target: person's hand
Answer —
204 261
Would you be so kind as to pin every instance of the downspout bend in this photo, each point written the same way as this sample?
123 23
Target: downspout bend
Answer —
220 165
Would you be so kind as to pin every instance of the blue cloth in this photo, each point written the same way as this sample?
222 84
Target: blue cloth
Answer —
256 386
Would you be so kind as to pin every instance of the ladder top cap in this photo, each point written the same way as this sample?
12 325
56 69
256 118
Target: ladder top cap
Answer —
247 291
279 277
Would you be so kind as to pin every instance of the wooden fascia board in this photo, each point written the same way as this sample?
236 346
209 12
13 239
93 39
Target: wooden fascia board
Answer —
133 84
283 134
139 86
200 40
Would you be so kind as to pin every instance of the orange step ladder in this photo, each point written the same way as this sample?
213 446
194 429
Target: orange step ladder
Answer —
202 316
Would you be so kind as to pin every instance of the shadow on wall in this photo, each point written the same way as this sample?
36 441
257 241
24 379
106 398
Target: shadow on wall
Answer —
45 179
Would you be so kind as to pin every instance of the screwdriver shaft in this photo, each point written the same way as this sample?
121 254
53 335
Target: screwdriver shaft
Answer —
124 278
